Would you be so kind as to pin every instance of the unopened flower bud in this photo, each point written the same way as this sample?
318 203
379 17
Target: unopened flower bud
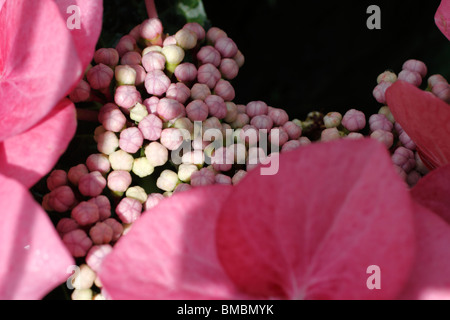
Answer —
213 34
222 179
186 39
130 58
92 184
387 112
107 142
100 76
290 145
127 96
151 127
223 159
156 154
126 44
153 60
239 58
142 167
256 108
61 198
103 205
407 141
151 29
196 157
404 158
226 46
216 106
410 76
167 180
125 75
101 233
121 160
83 280
85 213
119 180
208 74
169 109
241 120
111 117
152 200
185 171
178 91
330 134
174 56
107 56
442 91
66 225
96 255
197 29
77 242
182 187
354 120
434 79
332 119
279 136
116 226
169 41
186 72
200 91
131 140
388 76
203 177
76 172
156 82
415 66
225 90
81 92
56 179
262 122
232 112
383 136
293 130
172 138
208 54
379 92
138 193
380 122
238 176
228 68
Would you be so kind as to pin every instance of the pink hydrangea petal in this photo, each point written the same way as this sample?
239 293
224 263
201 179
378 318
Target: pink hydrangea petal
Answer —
316 228
34 76
33 260
29 156
430 276
86 37
426 120
174 254
442 18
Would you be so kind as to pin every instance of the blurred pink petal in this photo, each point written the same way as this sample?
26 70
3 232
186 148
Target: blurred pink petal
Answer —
426 120
86 37
312 230
174 254
442 18
29 156
33 259
38 63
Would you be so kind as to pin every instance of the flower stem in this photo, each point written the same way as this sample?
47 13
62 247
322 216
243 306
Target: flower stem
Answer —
151 9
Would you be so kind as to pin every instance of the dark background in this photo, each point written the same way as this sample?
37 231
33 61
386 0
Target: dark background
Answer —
315 55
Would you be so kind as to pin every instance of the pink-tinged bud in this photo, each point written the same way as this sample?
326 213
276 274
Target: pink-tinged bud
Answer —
249 134
153 60
61 198
77 242
413 177
92 184
278 136
75 173
262 122
66 225
197 29
101 233
142 167
98 162
186 72
404 158
169 109
228 68
224 89
216 106
211 124
416 66
151 104
125 75
380 122
172 138
151 127
239 58
242 108
111 117
96 255
222 179
178 91
209 54
385 137
119 180
379 92
136 32
196 157
407 141
107 142
256 108
151 29
278 116
290 145
174 55
82 92
226 46
200 91
239 152
100 76
103 205
116 227
401 172
56 179
85 213
232 112
354 120
182 187
107 56
330 134
304 141
184 124
387 76
238 176
203 177
185 171
140 74
223 159
214 34
98 131
168 180
208 74
131 140
197 110
169 41
241 120
442 91
255 157
398 128
293 130
410 76
156 82
126 44
130 58
436 78
156 154
186 39
152 200
332 119
127 96
121 160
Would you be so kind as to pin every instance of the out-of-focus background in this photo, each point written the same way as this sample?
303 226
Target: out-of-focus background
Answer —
304 56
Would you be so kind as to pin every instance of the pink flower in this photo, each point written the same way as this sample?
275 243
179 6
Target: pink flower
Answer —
36 73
